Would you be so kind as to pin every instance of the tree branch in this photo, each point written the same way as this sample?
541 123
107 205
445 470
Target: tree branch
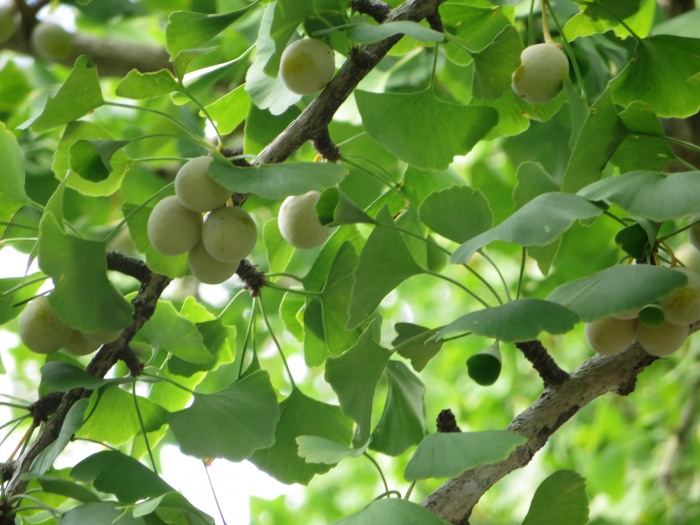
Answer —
545 365
455 499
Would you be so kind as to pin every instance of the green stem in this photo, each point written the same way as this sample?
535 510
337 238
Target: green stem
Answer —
204 111
247 341
389 185
143 427
213 493
460 43
387 490
521 275
223 312
168 380
285 274
455 337
39 505
305 293
615 218
531 24
347 141
410 490
680 142
141 160
679 230
458 284
500 275
17 421
569 51
274 339
14 405
18 225
22 285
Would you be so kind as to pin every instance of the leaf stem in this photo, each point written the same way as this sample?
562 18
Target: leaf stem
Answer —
22 285
569 51
143 427
458 284
305 293
213 493
500 275
410 490
274 339
168 380
521 274
18 225
381 473
247 341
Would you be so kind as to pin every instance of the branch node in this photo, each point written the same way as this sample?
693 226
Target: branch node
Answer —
132 362
121 263
446 421
435 22
549 370
325 146
252 279
361 58
374 8
42 409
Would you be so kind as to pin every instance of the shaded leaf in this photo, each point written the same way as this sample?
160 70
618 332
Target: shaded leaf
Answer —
519 320
391 511
9 300
494 65
368 34
301 415
188 30
138 85
79 95
231 423
457 213
615 10
617 289
12 194
443 455
335 208
72 422
91 158
63 377
416 343
98 513
398 122
561 499
538 223
354 376
315 449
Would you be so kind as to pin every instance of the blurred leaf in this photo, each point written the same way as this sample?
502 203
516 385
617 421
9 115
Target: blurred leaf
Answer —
9 300
187 30
443 455
649 194
79 95
291 312
391 511
368 34
63 377
402 423
276 181
457 213
99 513
617 289
385 262
279 252
475 26
116 473
66 488
518 320
232 423
537 223
398 122
83 296
354 376
495 64
335 208
301 415
12 194
138 85
315 449
171 507
72 422
645 147
561 499
663 64
615 10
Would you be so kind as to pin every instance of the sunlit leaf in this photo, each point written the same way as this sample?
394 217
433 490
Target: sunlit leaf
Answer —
561 499
447 454
12 194
335 208
138 85
79 95
663 64
276 181
301 415
398 122
617 289
232 423
188 30
279 251
610 9
649 194
354 376
91 159
315 449
519 320
229 111
537 223
392 511
13 291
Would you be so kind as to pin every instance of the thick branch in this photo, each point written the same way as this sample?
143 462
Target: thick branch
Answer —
317 115
455 500
112 57
545 365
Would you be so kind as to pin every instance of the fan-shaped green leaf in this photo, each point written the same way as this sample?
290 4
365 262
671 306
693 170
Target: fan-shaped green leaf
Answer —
416 343
443 455
138 85
12 194
649 194
561 499
617 289
188 30
232 423
315 449
457 213
398 122
519 320
367 34
494 65
537 223
392 512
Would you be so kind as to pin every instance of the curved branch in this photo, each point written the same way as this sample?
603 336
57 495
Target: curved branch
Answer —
456 498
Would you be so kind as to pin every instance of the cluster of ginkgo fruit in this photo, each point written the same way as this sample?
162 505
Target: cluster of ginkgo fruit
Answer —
660 328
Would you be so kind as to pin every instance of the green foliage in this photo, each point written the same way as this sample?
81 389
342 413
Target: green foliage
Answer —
463 219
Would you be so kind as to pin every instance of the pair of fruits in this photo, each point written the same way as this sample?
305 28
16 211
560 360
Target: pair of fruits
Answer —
614 334
42 331
215 245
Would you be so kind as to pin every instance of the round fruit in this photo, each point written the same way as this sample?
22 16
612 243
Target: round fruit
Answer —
172 228
229 234
307 66
51 41
79 344
543 69
196 190
40 328
663 339
8 25
682 307
610 336
627 314
207 269
298 221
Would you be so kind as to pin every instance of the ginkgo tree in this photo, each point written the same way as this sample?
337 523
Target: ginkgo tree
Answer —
472 196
